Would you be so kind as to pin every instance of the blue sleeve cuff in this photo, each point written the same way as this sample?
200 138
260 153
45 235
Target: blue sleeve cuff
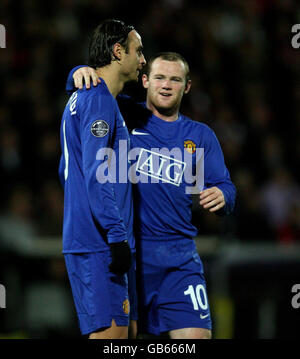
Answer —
229 193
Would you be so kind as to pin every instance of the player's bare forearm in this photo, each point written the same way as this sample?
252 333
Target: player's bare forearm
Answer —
212 199
88 74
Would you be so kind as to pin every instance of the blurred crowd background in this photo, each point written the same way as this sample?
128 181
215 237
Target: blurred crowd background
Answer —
245 86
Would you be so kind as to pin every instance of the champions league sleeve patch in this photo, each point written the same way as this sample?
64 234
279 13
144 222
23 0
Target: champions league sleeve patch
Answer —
99 128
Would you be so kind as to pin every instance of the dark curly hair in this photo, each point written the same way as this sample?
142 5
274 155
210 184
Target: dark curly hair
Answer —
108 33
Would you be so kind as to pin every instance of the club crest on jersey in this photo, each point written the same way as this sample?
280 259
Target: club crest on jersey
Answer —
126 306
99 128
190 146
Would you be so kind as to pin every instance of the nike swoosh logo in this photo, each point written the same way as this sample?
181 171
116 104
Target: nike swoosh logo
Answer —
134 132
203 316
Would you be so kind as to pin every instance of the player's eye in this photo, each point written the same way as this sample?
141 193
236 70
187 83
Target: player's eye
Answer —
139 51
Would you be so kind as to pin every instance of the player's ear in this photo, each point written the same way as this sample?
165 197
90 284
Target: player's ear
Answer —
117 51
188 86
145 81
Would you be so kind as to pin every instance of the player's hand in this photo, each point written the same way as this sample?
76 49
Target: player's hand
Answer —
121 258
212 199
87 74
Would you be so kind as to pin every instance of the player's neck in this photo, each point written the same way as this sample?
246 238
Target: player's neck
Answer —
112 79
163 114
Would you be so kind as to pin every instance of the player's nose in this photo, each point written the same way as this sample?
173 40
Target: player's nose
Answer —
166 84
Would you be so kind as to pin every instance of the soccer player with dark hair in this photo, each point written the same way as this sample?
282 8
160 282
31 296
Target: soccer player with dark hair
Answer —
175 158
98 240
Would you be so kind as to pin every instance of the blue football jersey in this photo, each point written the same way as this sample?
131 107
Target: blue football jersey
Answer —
172 161
98 207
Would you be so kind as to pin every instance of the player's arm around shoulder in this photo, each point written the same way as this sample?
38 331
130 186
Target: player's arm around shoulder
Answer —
79 76
85 75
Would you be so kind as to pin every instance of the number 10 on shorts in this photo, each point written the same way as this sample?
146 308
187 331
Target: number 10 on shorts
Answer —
198 296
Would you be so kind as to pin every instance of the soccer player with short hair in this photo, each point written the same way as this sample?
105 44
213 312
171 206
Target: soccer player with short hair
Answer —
98 238
175 157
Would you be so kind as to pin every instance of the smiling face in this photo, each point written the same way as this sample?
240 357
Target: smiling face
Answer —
133 60
166 84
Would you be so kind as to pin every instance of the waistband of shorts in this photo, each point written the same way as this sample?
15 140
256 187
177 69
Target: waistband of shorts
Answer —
78 251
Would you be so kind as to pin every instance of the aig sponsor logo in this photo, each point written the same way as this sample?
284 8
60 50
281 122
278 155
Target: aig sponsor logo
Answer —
160 167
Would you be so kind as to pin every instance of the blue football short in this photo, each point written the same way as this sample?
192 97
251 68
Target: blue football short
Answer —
171 287
98 294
